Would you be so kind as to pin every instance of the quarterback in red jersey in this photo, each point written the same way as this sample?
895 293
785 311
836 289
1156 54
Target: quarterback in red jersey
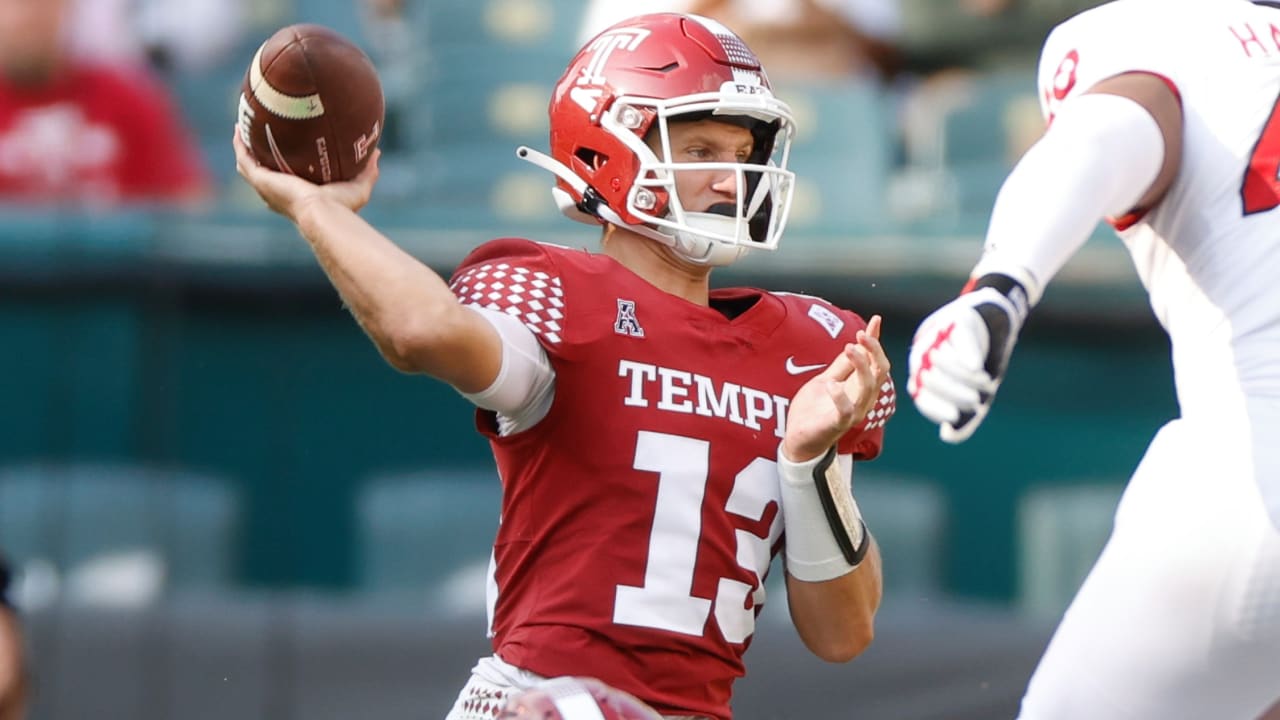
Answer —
658 441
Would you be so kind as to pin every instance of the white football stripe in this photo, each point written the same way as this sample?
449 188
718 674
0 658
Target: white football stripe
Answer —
281 165
277 103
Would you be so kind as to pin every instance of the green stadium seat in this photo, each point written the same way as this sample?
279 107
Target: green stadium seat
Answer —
841 156
514 23
117 533
1061 531
427 532
908 518
985 136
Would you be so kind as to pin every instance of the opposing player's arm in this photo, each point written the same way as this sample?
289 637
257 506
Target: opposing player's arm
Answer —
1154 94
1111 151
404 306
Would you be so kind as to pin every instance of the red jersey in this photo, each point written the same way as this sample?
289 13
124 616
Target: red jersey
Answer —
94 135
640 515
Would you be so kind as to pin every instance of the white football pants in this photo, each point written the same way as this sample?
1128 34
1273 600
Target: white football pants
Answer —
1180 617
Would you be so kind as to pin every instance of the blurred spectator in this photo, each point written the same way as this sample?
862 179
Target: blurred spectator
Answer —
400 54
980 35
961 59
823 40
798 40
12 670
184 35
600 14
76 132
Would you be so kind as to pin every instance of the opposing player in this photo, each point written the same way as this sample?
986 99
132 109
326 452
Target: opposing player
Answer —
575 698
1163 117
658 441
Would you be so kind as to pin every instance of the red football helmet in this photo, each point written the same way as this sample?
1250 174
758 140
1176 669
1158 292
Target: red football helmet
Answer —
632 80
575 698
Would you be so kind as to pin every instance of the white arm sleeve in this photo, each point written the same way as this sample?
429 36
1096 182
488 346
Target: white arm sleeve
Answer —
1098 158
522 393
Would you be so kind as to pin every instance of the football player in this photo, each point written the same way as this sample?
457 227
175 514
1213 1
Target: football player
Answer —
1163 117
658 441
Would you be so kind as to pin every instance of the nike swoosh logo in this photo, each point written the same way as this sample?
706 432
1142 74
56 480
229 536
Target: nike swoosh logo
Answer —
795 369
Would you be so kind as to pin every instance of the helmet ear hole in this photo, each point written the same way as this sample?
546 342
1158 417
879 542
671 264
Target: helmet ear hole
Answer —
591 158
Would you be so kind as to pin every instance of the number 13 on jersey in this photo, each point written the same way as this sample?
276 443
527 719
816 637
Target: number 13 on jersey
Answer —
666 601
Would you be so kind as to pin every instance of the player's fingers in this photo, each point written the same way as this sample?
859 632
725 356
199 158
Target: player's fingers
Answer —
958 431
237 146
955 391
845 407
873 327
879 359
935 408
842 366
956 360
371 171
856 383
245 162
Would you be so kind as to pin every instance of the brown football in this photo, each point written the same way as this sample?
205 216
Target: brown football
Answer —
311 105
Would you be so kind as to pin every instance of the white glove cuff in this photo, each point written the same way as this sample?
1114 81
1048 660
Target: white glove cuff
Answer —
815 526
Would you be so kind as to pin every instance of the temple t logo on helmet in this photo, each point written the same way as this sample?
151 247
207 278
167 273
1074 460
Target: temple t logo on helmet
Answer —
610 143
590 84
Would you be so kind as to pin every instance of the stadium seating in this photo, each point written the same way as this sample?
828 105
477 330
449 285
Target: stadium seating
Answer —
1061 531
841 156
984 137
908 519
115 534
428 535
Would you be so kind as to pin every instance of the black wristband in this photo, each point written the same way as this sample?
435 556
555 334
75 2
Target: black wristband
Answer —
852 555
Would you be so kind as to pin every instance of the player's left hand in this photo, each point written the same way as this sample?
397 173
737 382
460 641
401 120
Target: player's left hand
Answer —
288 194
837 398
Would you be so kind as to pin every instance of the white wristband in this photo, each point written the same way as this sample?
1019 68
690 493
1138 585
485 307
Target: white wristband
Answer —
813 527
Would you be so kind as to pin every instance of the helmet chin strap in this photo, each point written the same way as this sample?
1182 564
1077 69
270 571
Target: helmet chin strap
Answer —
698 247
695 247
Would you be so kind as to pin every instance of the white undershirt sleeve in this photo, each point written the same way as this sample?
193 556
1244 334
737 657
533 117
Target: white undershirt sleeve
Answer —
521 395
1098 159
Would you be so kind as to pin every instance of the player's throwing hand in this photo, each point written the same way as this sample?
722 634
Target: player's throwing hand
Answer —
287 194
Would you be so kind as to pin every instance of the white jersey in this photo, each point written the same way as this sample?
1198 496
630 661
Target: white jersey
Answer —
1209 252
1179 619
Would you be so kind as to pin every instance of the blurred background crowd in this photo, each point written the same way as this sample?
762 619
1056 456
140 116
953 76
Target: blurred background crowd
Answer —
218 501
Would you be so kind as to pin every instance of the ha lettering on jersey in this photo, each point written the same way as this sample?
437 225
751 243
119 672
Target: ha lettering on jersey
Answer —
686 393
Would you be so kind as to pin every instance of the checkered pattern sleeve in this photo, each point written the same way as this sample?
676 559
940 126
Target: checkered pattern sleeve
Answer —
516 277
